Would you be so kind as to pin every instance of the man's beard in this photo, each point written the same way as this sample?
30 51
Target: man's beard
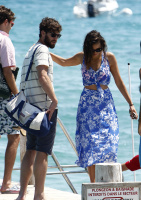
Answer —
48 43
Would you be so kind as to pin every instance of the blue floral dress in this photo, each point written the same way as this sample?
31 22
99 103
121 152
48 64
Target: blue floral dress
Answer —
97 133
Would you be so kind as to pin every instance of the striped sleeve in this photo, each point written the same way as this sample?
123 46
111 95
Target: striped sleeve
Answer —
42 56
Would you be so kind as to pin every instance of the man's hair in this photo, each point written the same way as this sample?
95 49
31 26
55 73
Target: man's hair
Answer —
49 25
6 13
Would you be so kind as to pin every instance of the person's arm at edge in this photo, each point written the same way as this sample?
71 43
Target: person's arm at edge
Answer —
72 61
10 79
139 122
47 87
115 72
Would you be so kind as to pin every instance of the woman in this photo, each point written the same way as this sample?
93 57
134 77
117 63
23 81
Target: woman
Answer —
97 133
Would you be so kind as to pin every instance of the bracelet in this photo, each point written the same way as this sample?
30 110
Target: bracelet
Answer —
131 104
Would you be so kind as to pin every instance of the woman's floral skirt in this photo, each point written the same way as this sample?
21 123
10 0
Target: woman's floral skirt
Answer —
97 133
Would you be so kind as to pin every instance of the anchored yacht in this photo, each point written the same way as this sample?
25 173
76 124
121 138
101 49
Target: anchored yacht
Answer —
92 8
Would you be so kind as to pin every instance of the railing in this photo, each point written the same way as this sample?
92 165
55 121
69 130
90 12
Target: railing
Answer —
60 167
57 164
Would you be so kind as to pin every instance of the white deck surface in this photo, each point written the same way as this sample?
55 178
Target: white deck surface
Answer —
51 194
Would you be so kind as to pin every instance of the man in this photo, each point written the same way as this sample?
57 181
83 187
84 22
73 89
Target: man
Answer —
7 60
39 91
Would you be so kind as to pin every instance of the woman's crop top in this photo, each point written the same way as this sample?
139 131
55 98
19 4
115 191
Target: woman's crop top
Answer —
100 77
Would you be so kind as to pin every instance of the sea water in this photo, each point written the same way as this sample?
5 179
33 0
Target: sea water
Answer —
123 35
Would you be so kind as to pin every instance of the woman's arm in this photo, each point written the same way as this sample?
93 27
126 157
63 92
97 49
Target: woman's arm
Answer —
74 60
120 84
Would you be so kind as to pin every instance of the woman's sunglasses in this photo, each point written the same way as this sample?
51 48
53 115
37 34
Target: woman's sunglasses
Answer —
97 50
55 35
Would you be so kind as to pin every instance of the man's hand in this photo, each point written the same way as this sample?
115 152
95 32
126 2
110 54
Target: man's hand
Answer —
51 109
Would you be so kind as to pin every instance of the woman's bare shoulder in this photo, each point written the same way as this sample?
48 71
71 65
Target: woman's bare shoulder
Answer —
111 57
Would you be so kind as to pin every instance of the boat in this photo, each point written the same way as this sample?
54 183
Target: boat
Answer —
92 8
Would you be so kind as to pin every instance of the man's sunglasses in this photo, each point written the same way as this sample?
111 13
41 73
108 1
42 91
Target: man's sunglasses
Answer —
55 35
97 50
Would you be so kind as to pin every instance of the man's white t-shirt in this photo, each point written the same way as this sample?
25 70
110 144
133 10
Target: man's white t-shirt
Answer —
33 90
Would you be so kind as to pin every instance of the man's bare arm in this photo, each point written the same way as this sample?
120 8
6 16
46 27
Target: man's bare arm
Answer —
10 79
47 87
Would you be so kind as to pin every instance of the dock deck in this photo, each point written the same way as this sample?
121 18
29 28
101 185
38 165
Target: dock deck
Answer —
51 194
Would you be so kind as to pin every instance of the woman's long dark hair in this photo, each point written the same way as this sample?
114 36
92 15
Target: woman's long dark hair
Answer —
91 38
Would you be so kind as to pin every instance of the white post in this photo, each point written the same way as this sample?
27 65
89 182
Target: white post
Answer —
108 172
131 119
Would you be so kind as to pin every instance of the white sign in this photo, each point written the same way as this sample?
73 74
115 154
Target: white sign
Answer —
125 193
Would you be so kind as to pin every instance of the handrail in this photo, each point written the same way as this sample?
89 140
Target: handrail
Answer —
58 164
64 175
66 172
64 166
53 167
67 135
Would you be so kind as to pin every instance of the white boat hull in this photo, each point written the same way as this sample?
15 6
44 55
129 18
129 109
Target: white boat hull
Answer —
98 6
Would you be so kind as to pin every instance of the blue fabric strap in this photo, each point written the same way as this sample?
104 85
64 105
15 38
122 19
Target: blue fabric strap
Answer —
30 65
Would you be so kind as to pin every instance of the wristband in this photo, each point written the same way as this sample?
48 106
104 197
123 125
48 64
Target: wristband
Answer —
131 104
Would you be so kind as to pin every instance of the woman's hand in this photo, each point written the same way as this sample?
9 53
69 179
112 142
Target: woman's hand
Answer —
133 113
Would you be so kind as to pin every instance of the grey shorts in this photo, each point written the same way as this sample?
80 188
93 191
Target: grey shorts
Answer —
6 122
43 144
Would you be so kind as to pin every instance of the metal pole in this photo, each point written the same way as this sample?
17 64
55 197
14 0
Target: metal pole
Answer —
131 119
67 135
66 172
64 175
